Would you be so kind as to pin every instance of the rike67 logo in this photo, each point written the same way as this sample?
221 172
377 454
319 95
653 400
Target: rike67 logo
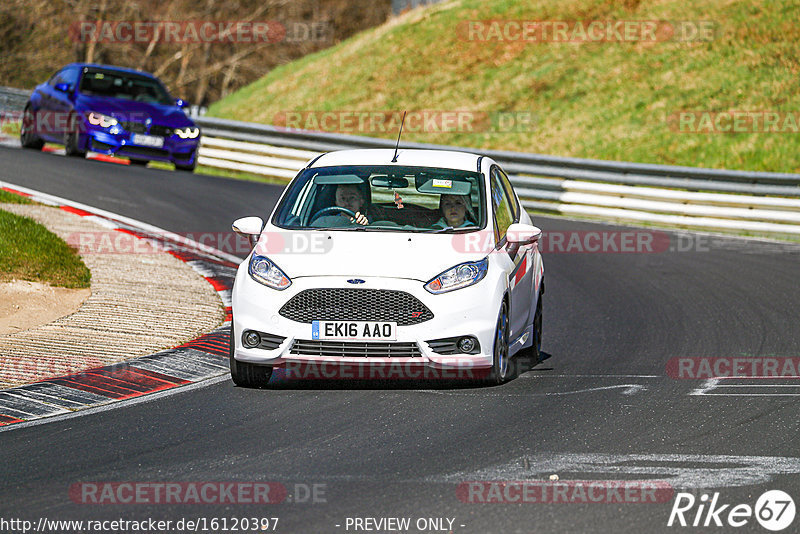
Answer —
774 510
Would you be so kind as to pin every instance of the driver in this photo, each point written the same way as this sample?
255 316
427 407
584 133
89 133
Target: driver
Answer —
350 197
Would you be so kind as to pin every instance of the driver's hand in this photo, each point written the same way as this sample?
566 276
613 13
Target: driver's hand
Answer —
360 219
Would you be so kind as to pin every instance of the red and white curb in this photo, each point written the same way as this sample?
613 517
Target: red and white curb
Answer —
199 360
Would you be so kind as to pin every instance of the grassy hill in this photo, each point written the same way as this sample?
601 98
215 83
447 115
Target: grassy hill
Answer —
605 100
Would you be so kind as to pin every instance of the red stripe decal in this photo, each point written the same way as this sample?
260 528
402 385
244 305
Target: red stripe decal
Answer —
521 270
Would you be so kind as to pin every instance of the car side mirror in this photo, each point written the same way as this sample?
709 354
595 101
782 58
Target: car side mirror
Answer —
63 87
249 227
523 234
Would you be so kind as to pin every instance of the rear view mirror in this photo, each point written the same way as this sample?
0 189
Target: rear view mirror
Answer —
249 227
389 182
63 87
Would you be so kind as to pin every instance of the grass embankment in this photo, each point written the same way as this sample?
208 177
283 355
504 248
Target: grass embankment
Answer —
29 251
604 100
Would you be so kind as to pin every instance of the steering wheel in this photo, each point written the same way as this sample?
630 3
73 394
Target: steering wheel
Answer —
323 211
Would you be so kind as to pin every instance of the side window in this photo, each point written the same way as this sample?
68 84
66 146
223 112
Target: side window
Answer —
501 206
510 193
70 77
56 79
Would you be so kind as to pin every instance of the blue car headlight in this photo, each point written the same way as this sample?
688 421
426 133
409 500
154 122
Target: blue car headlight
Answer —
187 133
264 271
462 275
98 119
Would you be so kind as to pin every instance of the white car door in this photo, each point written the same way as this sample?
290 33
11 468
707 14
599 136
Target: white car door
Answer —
515 260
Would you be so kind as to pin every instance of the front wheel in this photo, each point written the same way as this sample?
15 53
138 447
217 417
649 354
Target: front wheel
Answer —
499 373
186 168
72 139
245 374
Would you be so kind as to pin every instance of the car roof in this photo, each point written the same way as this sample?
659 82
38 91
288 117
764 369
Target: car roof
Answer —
111 67
443 159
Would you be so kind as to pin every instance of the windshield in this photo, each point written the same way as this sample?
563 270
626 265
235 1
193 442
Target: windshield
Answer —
125 86
390 198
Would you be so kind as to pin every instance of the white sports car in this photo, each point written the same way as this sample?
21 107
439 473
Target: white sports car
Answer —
414 258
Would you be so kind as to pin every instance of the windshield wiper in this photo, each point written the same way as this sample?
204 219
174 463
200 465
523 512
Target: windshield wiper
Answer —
450 228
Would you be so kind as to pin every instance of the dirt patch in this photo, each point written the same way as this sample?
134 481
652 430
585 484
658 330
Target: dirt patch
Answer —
24 305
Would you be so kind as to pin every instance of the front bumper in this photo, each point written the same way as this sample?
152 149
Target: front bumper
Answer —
174 150
464 312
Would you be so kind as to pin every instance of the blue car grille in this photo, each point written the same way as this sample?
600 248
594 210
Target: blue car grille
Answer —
141 128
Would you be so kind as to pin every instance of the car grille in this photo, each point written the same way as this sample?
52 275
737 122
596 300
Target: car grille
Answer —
306 347
163 131
100 146
144 151
134 127
141 128
342 304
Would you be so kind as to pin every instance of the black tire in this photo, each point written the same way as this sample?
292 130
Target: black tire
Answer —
247 375
139 162
27 133
71 140
187 168
500 371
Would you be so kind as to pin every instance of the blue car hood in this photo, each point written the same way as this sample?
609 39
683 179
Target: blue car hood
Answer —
130 110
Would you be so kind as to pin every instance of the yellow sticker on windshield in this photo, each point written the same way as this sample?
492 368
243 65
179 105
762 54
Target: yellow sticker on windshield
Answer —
99 76
443 183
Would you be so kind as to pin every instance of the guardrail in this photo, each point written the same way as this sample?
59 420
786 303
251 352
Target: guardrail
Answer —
762 203
756 202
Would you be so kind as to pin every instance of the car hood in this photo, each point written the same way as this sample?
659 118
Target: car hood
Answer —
130 110
413 256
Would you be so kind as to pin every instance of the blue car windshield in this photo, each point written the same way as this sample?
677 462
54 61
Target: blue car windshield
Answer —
390 197
123 85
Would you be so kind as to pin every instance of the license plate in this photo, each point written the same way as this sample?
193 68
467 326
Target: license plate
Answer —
354 330
147 140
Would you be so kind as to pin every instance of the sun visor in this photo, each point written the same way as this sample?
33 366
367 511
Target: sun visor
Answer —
338 179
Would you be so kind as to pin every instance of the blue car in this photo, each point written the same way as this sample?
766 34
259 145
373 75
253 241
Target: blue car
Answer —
110 110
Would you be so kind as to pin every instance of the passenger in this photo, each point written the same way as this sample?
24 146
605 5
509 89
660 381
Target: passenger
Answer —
348 196
455 210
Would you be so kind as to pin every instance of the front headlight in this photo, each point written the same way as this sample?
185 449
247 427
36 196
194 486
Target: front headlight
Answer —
187 133
462 275
98 119
263 271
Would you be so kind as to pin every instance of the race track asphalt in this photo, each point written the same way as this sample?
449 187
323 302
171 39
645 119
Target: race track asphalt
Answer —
601 407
